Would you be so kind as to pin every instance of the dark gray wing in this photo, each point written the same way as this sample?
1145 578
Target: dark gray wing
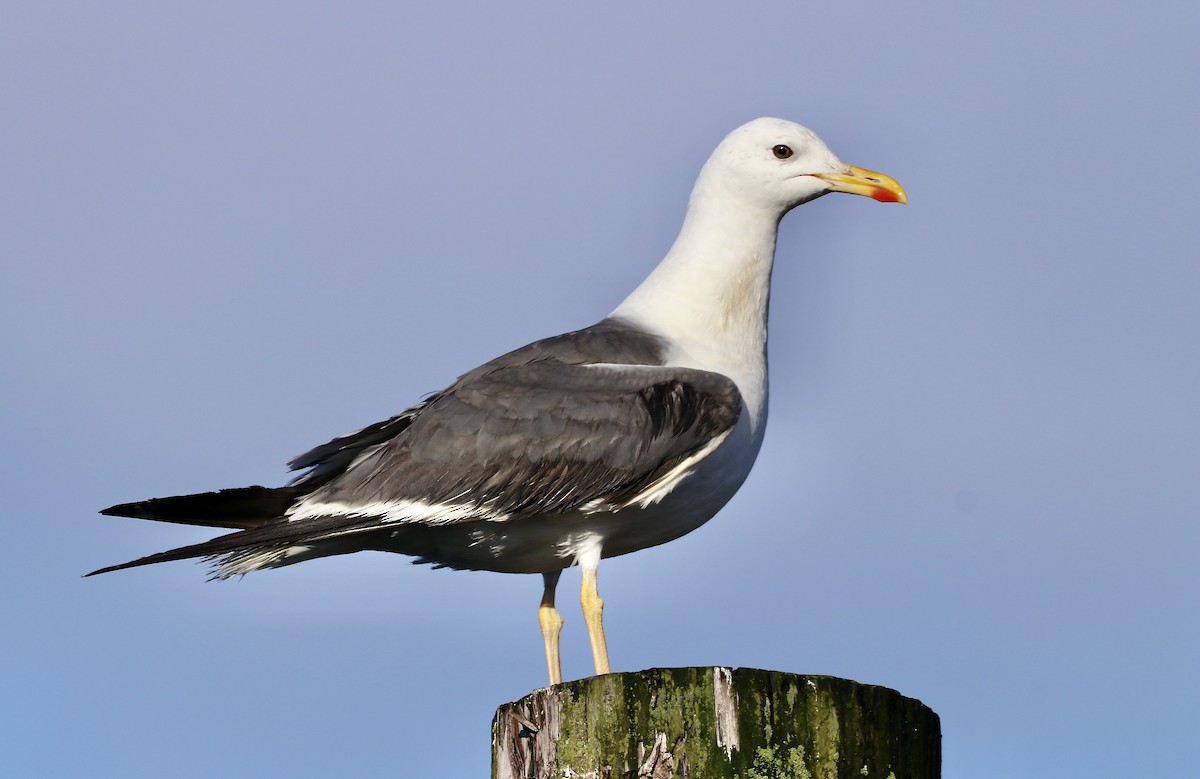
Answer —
608 341
587 417
538 438
326 461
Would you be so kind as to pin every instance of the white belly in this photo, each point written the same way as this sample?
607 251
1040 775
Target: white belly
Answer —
695 499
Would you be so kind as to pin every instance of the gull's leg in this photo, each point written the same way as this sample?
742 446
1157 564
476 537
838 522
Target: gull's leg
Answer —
593 612
551 622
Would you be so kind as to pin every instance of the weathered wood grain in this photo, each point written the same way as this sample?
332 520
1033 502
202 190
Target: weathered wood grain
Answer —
715 723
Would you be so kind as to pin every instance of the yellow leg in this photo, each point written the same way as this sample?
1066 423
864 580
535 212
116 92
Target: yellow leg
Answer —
551 622
593 614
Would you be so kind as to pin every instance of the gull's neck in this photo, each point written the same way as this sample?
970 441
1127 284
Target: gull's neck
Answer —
709 295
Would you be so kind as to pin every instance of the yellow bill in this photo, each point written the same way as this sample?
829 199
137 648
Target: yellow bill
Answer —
860 181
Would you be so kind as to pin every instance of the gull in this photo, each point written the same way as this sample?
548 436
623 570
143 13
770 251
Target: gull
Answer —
599 442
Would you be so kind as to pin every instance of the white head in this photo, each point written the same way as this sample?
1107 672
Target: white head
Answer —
777 165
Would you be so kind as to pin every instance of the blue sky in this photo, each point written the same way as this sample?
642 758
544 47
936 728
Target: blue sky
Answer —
230 233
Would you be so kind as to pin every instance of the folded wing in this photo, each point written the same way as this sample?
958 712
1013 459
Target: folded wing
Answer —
518 442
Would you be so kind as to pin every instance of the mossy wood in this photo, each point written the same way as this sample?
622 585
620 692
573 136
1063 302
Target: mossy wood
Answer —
715 723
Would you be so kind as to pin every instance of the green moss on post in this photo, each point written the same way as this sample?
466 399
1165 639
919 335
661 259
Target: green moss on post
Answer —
715 723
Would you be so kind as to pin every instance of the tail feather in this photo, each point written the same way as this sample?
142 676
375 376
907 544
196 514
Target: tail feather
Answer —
263 537
221 545
242 508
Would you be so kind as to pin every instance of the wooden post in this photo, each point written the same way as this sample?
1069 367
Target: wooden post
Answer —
715 723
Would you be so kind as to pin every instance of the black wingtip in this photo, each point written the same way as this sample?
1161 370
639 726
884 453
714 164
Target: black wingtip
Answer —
161 557
240 508
216 546
111 568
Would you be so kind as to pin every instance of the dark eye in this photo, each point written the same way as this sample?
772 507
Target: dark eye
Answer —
782 152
